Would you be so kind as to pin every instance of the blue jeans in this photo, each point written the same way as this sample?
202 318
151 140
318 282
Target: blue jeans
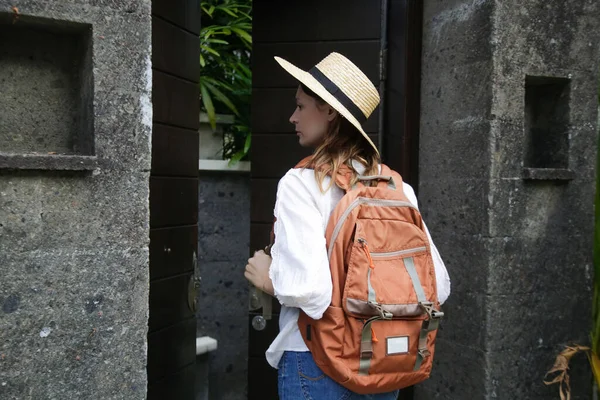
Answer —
301 379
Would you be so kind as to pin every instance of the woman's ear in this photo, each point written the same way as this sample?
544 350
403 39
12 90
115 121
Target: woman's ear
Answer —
331 113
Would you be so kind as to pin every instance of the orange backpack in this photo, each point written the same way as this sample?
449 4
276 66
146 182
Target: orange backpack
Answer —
378 334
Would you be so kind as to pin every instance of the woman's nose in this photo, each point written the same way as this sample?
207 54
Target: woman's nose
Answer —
293 118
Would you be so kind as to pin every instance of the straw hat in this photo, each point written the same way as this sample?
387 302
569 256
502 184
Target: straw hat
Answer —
342 85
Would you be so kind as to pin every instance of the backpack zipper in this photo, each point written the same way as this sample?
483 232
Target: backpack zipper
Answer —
365 247
356 203
398 253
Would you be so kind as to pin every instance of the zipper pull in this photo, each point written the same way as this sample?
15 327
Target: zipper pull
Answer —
373 337
365 246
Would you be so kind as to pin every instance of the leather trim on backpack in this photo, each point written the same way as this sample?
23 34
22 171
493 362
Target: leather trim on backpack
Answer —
361 307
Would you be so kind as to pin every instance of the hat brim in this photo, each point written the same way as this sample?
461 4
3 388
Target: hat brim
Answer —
314 85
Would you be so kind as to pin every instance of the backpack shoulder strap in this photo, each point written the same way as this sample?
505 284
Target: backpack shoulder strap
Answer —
387 171
342 178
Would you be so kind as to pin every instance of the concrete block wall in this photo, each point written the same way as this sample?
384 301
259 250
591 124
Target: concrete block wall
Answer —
74 245
519 250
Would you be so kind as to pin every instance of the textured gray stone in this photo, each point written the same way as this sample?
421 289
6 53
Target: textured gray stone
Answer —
73 246
548 174
520 374
454 205
122 73
534 209
453 183
48 162
522 266
71 326
459 254
521 322
461 149
527 280
465 331
223 247
458 373
43 83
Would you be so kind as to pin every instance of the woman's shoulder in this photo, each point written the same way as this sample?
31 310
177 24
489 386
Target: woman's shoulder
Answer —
303 179
297 179
297 176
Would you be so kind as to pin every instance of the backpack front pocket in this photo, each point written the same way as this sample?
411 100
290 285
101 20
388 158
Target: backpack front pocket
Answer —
383 279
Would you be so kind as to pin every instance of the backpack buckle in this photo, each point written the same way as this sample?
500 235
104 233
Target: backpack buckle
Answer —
366 353
424 353
384 314
431 312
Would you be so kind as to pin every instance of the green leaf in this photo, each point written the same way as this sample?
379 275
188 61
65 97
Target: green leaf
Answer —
209 107
221 97
243 34
236 158
221 84
206 11
595 364
596 324
230 12
246 15
243 71
219 41
226 78
247 143
242 128
209 50
245 26
244 5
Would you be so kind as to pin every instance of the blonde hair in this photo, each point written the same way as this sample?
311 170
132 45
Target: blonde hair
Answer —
342 144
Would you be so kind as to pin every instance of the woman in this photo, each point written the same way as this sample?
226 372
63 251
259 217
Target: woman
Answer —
332 100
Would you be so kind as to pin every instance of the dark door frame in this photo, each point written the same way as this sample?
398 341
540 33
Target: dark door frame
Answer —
402 106
173 199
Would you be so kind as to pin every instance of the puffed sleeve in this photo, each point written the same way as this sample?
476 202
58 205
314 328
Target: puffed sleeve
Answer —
300 267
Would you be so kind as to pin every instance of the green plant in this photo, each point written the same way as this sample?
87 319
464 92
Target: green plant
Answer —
225 77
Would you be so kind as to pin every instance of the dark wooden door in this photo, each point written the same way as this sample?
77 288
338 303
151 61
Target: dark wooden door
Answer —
173 198
303 32
382 38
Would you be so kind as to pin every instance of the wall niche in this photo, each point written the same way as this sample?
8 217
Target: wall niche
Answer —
547 122
46 91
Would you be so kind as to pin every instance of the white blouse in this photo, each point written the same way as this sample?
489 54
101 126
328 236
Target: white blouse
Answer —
300 267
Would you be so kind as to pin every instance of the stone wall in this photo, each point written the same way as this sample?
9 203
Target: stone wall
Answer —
507 167
74 231
223 235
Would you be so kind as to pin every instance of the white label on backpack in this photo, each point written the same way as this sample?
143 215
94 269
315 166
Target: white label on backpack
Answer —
397 345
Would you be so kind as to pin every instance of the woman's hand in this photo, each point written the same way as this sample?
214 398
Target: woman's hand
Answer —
257 272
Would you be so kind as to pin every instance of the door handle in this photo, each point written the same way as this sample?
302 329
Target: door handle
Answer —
254 298
260 299
193 285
